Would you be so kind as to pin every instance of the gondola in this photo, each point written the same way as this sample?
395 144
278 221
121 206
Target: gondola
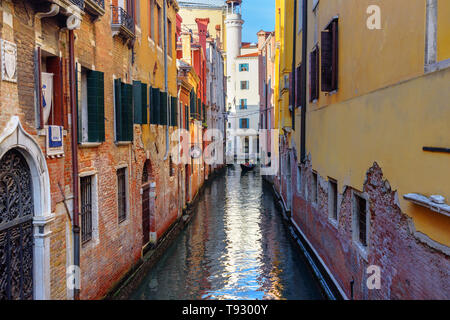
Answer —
247 166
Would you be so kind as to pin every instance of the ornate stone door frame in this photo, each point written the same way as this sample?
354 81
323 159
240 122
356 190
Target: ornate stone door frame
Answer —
15 137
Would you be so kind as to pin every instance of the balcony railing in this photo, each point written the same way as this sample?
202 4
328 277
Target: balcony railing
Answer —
122 22
95 7
78 3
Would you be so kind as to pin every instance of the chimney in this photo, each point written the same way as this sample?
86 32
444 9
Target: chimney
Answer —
186 47
202 25
262 36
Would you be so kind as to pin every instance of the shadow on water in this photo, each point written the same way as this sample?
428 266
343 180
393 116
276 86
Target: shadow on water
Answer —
236 247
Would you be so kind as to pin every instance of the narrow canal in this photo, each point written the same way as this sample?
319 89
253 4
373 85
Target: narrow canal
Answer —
236 247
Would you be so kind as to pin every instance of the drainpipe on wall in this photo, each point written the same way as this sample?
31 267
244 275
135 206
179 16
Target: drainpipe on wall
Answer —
303 75
74 134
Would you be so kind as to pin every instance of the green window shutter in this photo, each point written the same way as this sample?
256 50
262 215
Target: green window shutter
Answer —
192 102
174 111
157 106
163 108
186 117
137 102
118 109
144 103
171 111
101 106
127 112
199 107
92 106
152 105
79 133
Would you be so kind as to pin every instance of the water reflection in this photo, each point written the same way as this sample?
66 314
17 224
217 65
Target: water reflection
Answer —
235 247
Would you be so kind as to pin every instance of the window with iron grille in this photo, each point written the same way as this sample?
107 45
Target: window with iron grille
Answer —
122 194
332 200
86 208
361 219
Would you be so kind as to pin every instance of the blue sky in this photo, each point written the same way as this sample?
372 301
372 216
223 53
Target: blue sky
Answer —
257 14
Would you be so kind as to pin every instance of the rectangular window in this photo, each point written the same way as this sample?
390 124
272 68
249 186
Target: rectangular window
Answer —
122 194
332 200
159 21
243 104
51 88
314 188
123 103
243 67
86 196
169 37
91 115
314 75
244 123
245 85
360 216
330 57
151 19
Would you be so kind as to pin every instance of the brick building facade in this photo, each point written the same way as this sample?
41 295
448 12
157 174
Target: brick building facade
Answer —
103 174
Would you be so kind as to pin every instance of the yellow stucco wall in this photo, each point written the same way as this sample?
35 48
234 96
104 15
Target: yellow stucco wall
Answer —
385 110
149 65
443 31
390 126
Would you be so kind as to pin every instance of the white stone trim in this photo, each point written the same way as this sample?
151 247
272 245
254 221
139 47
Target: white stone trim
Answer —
15 137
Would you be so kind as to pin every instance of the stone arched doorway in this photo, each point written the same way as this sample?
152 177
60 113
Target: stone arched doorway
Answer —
16 227
24 172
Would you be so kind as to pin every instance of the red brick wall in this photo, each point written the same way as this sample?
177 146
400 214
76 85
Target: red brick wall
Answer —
410 269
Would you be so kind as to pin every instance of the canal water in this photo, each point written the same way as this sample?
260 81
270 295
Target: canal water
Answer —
235 247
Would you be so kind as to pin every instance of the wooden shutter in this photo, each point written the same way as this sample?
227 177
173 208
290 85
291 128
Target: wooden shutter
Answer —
335 53
327 61
163 104
127 111
152 105
54 65
118 109
137 102
144 103
291 89
37 88
299 86
101 106
199 107
314 75
186 110
157 106
95 101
